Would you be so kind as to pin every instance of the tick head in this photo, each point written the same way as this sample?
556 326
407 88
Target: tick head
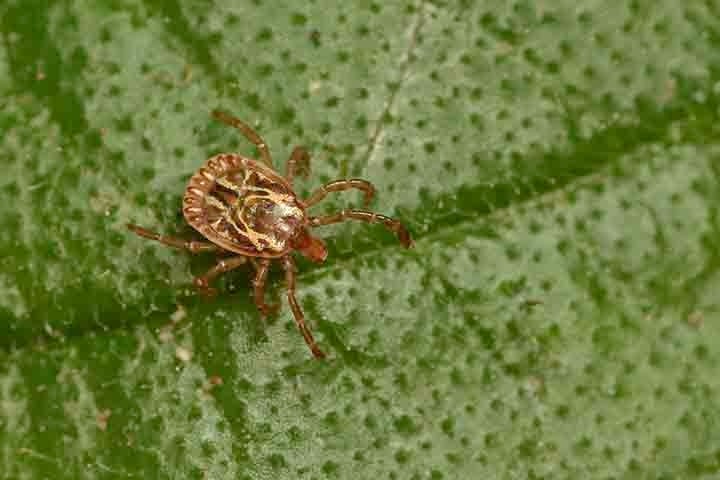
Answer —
312 247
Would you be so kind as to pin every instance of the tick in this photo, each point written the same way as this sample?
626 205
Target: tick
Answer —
248 212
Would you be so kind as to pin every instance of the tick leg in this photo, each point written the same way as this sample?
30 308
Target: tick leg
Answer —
370 217
175 242
298 163
203 282
289 265
248 132
262 267
339 186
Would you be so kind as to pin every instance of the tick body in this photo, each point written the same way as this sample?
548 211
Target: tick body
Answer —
245 208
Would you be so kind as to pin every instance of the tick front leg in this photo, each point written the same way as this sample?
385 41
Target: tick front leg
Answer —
202 283
370 217
262 268
339 186
289 265
297 164
248 132
175 242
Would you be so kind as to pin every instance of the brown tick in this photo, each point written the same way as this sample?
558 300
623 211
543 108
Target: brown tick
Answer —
245 208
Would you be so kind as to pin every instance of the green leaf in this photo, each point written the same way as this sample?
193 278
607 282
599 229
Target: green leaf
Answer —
557 163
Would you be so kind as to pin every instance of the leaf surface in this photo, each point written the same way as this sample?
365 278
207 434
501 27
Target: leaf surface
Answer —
557 163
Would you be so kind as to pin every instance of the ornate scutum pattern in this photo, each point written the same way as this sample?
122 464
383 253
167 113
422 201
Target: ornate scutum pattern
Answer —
243 206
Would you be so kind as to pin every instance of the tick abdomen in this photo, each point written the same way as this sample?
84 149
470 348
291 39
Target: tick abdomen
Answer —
243 206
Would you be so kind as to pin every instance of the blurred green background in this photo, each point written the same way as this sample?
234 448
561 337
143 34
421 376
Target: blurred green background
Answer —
557 161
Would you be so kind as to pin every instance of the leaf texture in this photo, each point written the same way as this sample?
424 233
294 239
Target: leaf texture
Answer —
557 162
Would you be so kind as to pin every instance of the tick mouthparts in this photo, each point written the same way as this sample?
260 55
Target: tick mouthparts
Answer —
317 251
311 247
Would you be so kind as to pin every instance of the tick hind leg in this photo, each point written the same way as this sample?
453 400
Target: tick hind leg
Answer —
248 132
370 217
289 265
340 186
202 283
175 242
262 268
